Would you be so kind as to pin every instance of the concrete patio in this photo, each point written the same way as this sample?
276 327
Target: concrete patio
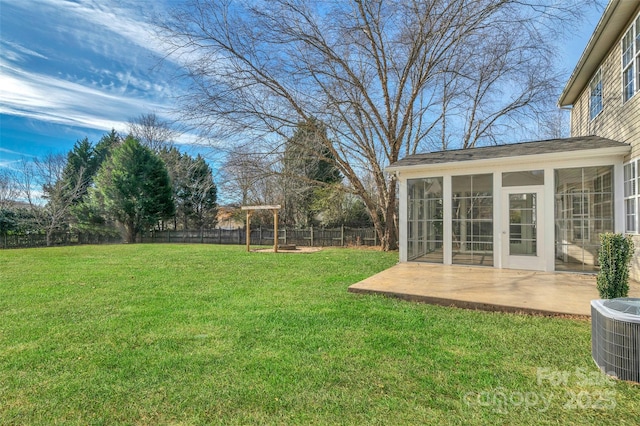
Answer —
506 290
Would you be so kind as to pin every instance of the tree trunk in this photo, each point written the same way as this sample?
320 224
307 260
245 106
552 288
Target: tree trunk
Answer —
131 232
391 222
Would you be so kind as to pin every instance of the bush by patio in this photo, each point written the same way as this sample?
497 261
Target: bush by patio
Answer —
614 257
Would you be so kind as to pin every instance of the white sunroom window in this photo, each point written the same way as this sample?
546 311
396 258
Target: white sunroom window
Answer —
631 61
632 197
595 101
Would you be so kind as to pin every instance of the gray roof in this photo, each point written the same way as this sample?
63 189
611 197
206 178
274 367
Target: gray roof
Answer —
510 150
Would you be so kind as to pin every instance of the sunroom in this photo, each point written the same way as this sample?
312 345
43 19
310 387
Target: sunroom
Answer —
534 205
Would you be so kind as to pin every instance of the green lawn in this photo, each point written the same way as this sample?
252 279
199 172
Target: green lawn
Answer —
200 334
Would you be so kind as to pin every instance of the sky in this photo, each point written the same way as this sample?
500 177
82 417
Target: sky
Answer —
71 69
75 69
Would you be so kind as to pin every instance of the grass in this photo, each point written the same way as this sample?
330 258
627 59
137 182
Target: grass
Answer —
200 334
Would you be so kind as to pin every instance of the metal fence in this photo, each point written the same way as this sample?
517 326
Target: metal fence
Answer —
309 237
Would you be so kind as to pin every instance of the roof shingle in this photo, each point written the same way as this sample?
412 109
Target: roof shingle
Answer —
509 150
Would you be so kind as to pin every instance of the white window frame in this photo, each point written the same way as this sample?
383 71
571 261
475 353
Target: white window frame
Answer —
595 97
638 53
632 196
630 60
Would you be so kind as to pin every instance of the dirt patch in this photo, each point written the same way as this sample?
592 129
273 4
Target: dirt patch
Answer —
297 250
366 248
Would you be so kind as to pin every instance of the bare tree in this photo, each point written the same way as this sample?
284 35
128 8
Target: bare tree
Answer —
49 197
555 125
152 131
8 188
249 176
386 77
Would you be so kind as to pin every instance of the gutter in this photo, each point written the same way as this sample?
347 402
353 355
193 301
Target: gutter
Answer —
586 54
525 159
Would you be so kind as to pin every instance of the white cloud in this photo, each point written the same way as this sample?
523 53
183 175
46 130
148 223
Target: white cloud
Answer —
56 100
15 52
100 92
8 151
92 64
99 17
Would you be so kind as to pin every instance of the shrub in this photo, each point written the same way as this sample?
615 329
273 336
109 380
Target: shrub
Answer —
614 256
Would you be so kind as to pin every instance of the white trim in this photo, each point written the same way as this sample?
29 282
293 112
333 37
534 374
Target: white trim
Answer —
447 223
516 161
605 36
496 168
634 61
523 163
497 219
635 196
549 218
599 81
403 219
537 262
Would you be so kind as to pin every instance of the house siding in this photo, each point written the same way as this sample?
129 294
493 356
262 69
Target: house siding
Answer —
617 121
634 271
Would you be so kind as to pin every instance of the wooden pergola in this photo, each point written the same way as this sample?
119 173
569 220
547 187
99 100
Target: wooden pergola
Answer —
274 209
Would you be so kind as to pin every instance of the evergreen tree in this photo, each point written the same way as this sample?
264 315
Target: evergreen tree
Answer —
308 165
173 161
83 163
80 168
194 190
134 188
104 147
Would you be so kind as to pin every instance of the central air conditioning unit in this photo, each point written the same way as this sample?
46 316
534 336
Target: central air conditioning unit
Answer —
615 337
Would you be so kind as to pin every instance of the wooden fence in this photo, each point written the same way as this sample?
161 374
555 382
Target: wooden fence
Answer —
309 237
30 240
